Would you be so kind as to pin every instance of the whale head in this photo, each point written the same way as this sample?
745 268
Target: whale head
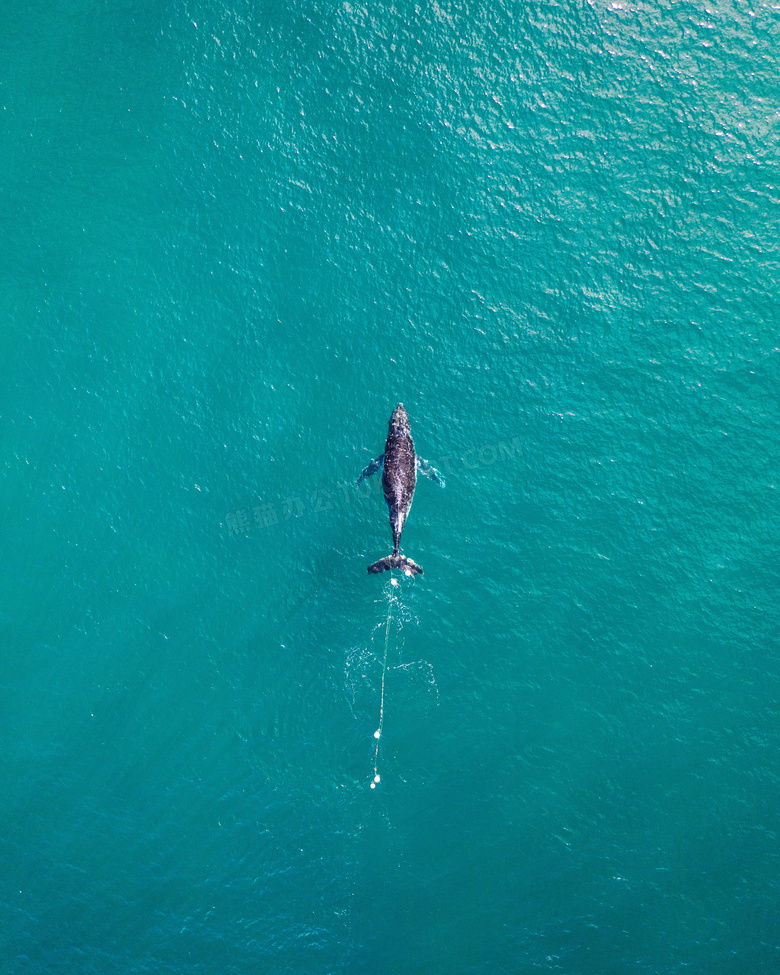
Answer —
399 422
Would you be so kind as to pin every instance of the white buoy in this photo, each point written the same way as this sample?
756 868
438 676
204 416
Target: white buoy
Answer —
376 778
377 733
373 785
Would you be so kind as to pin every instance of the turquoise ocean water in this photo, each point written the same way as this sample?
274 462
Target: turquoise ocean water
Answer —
234 236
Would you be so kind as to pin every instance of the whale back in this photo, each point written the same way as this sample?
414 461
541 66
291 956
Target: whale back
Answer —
399 472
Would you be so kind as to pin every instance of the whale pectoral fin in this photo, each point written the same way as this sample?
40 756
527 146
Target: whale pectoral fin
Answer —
372 468
425 468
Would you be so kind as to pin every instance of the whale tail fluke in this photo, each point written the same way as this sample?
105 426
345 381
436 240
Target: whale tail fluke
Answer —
396 561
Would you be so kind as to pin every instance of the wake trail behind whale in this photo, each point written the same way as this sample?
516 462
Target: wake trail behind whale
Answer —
386 643
392 597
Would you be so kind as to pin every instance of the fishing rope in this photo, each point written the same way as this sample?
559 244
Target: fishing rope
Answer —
378 732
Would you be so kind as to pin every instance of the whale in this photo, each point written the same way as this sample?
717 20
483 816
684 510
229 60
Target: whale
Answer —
399 465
